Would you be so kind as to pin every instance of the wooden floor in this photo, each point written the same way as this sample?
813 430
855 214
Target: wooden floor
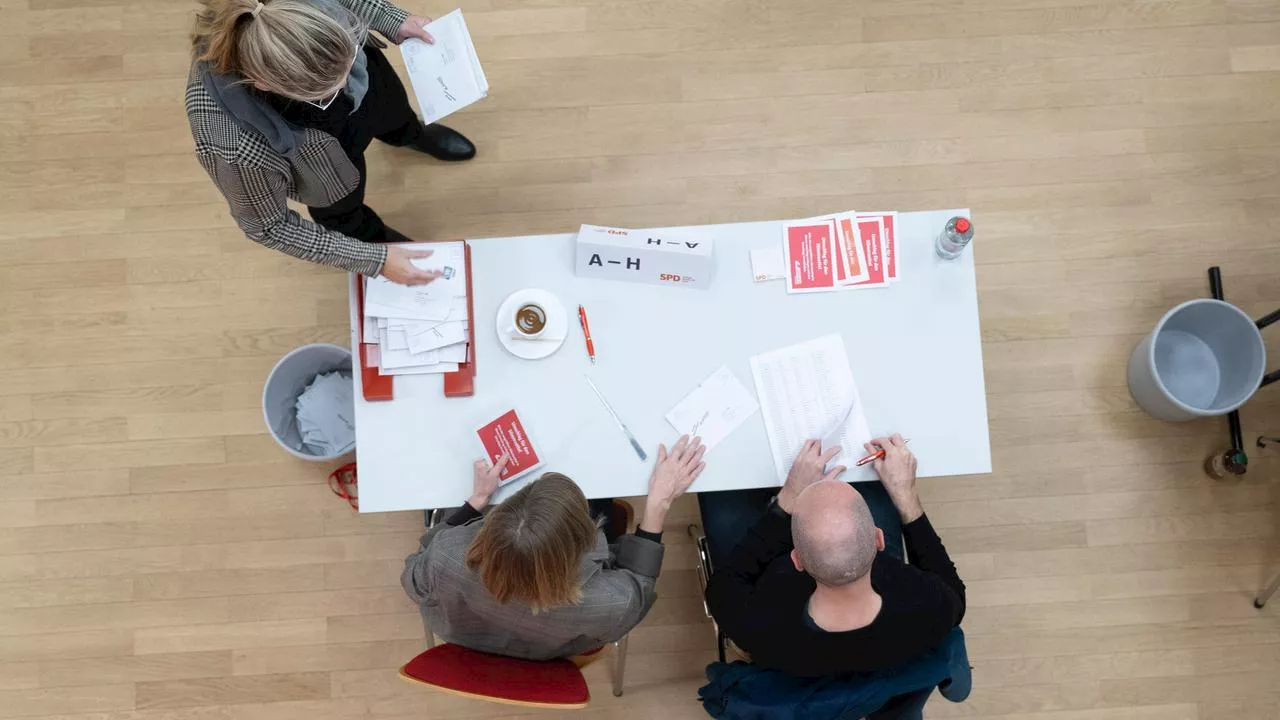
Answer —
160 558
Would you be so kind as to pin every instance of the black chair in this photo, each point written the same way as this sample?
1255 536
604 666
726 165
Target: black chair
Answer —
705 568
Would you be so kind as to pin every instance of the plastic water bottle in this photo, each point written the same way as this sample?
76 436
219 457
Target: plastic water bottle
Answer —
954 238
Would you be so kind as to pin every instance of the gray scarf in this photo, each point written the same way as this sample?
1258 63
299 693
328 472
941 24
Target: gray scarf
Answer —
234 95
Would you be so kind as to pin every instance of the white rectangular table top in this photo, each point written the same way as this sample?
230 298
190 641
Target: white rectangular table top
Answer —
915 350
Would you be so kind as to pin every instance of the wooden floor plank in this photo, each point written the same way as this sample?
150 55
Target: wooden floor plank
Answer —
161 559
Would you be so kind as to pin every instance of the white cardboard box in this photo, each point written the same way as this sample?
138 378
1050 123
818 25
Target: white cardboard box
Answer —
657 257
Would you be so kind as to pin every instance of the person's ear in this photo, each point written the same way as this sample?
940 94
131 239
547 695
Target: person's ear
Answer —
879 539
795 560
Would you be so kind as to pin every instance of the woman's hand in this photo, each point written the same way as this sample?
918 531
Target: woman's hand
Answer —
415 26
399 267
486 476
672 476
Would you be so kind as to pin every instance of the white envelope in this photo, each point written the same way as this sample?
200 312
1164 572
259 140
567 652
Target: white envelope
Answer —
456 353
439 336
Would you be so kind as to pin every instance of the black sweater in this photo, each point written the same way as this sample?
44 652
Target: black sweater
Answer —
761 601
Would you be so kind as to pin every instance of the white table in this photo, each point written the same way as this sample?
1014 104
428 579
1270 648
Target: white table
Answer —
915 350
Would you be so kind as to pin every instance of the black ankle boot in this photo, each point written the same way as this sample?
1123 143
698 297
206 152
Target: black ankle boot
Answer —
443 143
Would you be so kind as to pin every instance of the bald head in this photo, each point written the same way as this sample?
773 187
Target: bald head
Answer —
835 536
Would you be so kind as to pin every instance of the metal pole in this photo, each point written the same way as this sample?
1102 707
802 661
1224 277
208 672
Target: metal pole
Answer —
1233 418
1266 320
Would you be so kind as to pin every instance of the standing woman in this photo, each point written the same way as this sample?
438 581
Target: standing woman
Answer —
283 99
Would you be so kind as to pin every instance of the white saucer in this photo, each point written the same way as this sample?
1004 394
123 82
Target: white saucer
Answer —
557 324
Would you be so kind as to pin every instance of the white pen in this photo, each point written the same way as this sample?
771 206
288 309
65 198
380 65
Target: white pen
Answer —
632 438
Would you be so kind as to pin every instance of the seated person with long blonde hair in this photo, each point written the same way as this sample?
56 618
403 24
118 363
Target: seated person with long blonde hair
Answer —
535 577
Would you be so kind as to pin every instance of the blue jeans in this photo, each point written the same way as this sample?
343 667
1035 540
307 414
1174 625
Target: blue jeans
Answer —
727 514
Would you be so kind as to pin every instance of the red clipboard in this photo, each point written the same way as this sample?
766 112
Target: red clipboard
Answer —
374 384
460 383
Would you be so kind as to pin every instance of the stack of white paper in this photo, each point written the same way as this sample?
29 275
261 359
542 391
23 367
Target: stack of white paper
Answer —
446 75
420 329
326 414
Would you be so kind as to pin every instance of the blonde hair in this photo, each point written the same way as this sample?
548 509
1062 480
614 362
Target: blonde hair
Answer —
295 48
529 547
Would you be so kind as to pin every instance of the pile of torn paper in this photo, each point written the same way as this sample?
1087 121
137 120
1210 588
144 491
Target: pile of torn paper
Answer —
420 329
326 415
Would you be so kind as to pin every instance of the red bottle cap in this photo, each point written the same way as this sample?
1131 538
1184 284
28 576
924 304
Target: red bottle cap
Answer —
962 225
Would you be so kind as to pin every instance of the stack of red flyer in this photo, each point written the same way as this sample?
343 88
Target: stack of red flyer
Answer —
506 435
845 251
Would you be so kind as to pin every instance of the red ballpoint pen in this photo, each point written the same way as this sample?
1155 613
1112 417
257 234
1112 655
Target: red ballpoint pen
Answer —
873 456
586 332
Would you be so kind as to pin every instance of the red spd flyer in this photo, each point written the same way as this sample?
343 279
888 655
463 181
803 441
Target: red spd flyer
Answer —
890 220
809 249
507 435
851 264
871 233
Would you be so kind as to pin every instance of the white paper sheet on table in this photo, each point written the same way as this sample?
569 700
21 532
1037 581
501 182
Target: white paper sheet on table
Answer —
395 339
436 369
456 352
433 301
768 264
393 359
446 333
446 75
453 353
714 409
807 391
425 309
413 327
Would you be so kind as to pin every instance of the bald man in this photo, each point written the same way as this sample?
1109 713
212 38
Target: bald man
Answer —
811 590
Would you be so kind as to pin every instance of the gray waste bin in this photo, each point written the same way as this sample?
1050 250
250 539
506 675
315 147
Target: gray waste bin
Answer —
1205 357
286 381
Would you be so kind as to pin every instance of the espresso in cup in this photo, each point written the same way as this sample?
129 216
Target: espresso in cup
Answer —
531 319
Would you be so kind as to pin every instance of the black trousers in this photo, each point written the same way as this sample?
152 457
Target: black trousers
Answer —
384 114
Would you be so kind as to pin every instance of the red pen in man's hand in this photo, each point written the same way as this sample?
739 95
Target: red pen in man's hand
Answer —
877 455
586 332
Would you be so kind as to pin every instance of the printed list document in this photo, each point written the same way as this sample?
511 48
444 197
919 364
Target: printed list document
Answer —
807 391
446 74
714 409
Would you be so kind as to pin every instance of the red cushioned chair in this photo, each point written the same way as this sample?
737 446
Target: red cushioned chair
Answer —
454 669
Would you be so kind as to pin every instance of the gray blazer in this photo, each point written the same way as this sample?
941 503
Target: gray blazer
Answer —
617 592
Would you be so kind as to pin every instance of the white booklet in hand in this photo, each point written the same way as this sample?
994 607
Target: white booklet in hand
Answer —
446 75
